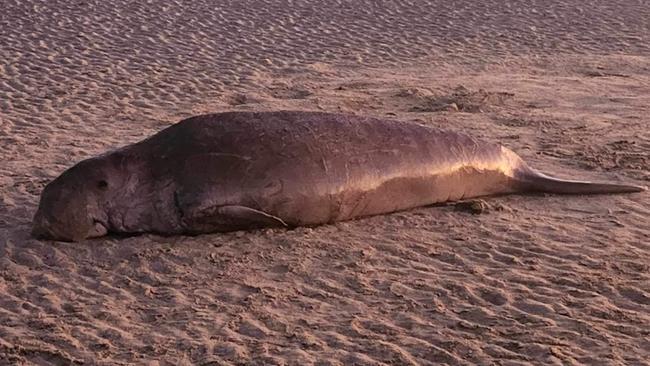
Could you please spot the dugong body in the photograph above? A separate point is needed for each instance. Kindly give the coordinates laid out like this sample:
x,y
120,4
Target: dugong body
x,y
242,170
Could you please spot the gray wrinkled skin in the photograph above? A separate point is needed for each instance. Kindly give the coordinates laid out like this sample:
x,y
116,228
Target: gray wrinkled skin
x,y
242,170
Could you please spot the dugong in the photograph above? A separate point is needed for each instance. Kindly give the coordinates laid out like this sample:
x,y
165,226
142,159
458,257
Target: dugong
x,y
243,170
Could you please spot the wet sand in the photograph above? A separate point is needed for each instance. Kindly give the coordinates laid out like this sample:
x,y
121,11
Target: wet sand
x,y
538,279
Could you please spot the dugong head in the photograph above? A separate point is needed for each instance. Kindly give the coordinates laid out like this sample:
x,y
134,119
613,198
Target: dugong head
x,y
75,205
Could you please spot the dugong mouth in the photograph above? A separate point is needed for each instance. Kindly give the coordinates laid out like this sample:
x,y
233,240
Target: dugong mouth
x,y
98,229
44,229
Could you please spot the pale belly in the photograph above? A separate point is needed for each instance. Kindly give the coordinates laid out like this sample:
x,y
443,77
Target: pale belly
x,y
310,206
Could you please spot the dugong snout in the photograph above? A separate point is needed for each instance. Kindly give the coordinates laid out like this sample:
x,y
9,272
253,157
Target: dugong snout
x,y
44,228
40,226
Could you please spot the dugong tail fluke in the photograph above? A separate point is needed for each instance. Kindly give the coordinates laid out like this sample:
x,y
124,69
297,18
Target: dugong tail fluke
x,y
535,181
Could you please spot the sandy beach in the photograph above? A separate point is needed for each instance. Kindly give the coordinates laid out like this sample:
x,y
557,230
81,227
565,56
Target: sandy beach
x,y
530,279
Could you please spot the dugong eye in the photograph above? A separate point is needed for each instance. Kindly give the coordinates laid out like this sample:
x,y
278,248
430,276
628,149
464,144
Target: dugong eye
x,y
102,184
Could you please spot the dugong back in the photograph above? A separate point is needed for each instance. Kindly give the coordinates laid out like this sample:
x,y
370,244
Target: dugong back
x,y
309,168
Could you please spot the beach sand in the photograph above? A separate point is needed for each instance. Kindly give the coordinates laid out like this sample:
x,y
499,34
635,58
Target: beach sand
x,y
537,279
